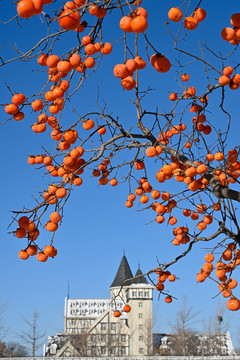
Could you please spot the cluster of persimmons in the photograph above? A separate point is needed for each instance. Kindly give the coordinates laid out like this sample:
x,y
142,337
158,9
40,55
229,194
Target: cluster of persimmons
x,y
67,167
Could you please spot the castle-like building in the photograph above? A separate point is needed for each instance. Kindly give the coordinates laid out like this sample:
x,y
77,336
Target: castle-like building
x,y
90,328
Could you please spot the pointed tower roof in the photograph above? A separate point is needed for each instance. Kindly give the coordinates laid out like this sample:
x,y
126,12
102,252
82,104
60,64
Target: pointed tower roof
x,y
140,279
124,272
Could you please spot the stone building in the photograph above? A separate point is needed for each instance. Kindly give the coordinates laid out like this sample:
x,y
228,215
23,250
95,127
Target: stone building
x,y
90,328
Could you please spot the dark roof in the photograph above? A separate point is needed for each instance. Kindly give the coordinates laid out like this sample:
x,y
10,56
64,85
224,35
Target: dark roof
x,y
124,272
140,279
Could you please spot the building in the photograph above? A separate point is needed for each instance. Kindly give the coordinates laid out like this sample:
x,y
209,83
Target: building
x,y
90,328
194,344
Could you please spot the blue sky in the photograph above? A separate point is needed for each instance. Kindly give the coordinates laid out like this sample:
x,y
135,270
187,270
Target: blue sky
x,y
97,227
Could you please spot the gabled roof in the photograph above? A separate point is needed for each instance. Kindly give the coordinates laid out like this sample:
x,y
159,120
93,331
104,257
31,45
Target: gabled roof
x,y
124,272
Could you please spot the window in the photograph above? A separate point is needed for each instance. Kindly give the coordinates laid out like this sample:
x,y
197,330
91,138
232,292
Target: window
x,y
141,351
103,350
73,322
103,326
91,321
93,350
140,304
123,350
140,327
140,338
146,294
112,350
93,337
140,293
82,322
103,338
113,326
140,316
123,337
134,293
113,337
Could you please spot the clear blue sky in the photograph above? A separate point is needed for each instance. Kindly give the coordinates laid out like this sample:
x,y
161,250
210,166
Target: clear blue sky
x,y
97,226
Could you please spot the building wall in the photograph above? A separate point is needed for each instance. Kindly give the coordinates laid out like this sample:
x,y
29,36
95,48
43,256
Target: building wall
x,y
139,319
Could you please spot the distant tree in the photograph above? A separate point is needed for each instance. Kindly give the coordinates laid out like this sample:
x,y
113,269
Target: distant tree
x,y
3,329
182,341
33,338
14,349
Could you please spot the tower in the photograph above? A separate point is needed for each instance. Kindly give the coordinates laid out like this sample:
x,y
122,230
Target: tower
x,y
137,293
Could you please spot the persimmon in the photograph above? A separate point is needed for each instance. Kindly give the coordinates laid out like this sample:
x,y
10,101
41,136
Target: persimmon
x,y
168,299
42,59
233,304
227,33
173,96
190,23
37,105
232,284
185,77
125,24
11,109
61,193
175,14
19,116
25,8
171,277
151,151
160,63
88,124
187,212
32,250
172,220
113,182
69,19
23,255
42,257
23,222
139,165
210,157
20,233
139,24
227,255
94,9
120,71
117,313
75,61
137,2
103,180
200,14
50,251
160,287
127,308
51,226
89,62
141,64
18,99
129,203
201,277
106,48
128,83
